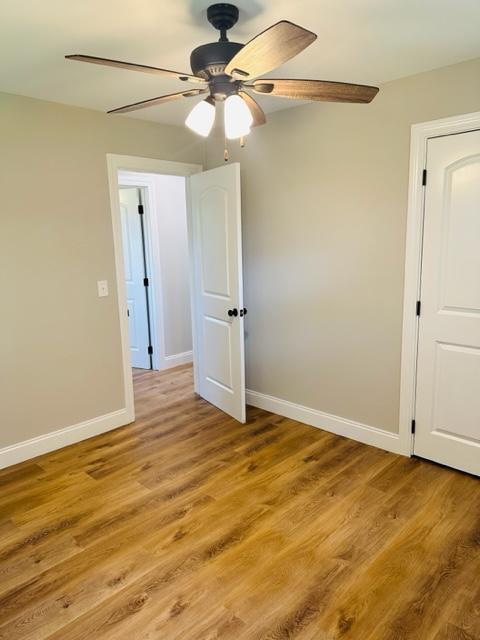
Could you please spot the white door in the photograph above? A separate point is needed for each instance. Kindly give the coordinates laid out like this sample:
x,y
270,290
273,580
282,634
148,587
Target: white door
x,y
134,261
448,375
218,314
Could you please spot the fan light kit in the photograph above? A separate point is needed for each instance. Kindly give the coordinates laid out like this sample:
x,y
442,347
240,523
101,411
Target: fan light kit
x,y
228,71
201,117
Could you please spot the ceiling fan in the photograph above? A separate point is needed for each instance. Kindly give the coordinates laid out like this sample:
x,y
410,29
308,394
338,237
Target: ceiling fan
x,y
227,71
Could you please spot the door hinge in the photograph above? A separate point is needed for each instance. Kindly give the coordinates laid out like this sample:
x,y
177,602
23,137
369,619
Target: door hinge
x,y
150,350
140,209
413,426
145,282
418,307
424,177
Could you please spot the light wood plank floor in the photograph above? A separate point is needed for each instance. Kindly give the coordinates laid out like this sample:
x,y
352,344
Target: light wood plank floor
x,y
189,526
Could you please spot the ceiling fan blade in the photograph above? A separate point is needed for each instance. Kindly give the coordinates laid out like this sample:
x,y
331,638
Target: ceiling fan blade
x,y
255,109
160,100
135,67
321,90
269,50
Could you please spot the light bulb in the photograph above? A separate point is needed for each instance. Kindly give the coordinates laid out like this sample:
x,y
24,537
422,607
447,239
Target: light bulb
x,y
238,118
201,117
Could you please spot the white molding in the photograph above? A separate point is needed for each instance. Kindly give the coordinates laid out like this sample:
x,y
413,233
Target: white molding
x,y
420,134
152,165
328,422
47,442
116,163
178,359
191,282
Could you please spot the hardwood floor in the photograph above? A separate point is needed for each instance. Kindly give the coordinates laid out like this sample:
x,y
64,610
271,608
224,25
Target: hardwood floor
x,y
189,526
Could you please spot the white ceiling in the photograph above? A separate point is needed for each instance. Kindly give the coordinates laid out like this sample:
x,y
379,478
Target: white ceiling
x,y
364,41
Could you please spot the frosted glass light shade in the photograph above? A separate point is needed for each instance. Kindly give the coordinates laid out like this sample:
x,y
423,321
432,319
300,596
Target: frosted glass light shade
x,y
201,118
238,118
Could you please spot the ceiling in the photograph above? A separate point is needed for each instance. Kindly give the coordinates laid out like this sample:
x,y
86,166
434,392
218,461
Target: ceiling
x,y
363,41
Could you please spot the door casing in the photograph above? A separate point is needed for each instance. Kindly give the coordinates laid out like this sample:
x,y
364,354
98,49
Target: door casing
x,y
420,134
116,163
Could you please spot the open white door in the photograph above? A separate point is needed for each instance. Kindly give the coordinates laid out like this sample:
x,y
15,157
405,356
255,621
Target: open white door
x,y
218,313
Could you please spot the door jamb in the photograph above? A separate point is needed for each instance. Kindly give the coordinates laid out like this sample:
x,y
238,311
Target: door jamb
x,y
116,163
420,134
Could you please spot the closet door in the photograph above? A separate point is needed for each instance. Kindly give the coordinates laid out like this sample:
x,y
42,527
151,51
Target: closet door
x,y
448,375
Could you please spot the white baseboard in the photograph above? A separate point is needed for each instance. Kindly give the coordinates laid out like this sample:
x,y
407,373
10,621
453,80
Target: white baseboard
x,y
34,447
62,437
178,359
341,426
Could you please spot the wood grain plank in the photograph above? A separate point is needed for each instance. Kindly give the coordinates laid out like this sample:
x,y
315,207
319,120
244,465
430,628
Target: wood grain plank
x,y
188,525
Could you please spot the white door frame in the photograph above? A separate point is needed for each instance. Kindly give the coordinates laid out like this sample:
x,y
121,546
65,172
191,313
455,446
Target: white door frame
x,y
116,163
413,258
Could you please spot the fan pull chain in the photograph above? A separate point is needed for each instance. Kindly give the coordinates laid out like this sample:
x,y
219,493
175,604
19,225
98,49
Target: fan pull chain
x,y
242,142
225,150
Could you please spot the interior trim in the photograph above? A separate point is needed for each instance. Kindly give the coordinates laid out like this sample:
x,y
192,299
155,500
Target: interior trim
x,y
115,164
328,422
177,359
60,438
420,135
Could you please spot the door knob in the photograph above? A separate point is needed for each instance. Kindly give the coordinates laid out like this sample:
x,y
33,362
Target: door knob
x,y
243,312
233,312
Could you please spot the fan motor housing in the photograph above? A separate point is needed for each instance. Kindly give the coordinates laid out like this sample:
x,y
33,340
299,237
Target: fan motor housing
x,y
210,60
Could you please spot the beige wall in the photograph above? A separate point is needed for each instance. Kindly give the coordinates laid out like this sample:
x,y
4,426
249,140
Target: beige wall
x,y
60,355
324,217
173,243
324,195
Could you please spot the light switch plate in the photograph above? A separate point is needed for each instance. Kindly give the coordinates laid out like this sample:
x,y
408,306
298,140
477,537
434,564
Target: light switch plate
x,y
102,287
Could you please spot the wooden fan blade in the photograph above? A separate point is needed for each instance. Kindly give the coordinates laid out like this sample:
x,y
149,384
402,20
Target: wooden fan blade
x,y
321,90
160,100
269,50
135,67
255,109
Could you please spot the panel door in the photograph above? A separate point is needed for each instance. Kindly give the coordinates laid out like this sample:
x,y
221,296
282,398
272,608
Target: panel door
x,y
448,374
215,227
134,275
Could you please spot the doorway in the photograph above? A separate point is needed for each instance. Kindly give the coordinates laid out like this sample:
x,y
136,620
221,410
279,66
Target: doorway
x,y
446,345
156,265
213,219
